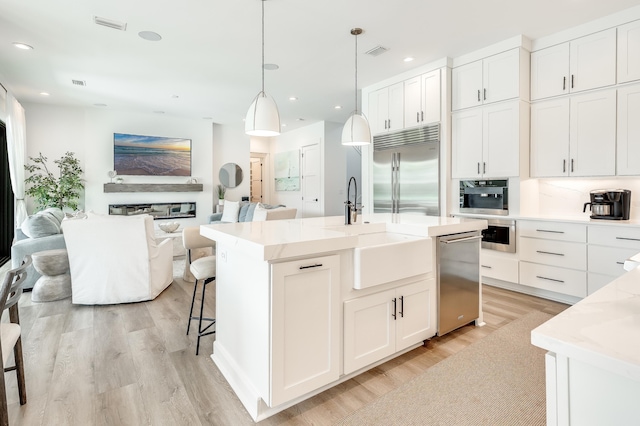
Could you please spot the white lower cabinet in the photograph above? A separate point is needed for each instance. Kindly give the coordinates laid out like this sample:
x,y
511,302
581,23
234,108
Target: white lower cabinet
x,y
499,266
380,324
609,246
305,326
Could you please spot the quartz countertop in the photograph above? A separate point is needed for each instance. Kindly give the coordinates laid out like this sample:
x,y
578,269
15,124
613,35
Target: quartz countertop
x,y
602,330
280,239
581,219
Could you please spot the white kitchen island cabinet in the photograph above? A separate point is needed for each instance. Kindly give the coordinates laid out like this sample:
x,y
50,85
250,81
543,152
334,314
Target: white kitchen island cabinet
x,y
283,294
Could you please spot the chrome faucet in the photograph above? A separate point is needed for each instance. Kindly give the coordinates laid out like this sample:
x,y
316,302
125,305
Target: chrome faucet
x,y
351,210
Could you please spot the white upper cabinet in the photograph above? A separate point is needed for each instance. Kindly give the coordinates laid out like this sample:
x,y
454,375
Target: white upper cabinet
x,y
495,78
628,148
629,52
486,141
574,136
386,109
422,100
582,64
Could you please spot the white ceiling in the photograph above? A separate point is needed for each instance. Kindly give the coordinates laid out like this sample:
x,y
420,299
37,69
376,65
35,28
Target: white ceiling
x,y
209,55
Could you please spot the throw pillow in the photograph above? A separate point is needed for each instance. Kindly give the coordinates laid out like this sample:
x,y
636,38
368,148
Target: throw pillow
x,y
260,213
55,212
230,212
40,225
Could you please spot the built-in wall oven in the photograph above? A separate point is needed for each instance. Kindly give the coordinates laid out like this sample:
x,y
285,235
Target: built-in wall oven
x,y
484,197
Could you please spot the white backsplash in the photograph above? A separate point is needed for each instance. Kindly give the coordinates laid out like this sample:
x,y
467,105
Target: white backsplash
x,y
565,197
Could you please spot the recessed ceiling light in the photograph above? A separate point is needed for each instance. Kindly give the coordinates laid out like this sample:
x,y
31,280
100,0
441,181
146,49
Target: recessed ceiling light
x,y
338,107
100,105
283,124
408,59
293,98
150,35
270,67
22,46
44,94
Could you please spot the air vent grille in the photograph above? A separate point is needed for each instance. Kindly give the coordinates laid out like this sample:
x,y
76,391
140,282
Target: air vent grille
x,y
378,50
122,26
407,137
79,82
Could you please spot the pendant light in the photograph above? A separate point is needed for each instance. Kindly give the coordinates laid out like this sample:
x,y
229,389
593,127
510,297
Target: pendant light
x,y
356,130
263,118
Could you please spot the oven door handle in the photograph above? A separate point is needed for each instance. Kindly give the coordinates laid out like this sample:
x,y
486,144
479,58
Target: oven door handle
x,y
460,240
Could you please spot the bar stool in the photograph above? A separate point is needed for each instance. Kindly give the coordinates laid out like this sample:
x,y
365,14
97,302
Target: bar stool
x,y
204,271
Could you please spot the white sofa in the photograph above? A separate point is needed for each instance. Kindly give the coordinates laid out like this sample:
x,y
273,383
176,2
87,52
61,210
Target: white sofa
x,y
115,259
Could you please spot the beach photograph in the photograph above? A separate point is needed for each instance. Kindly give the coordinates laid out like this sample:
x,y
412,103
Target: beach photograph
x,y
151,155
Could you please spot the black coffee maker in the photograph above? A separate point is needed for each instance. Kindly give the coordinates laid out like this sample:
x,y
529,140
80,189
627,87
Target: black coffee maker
x,y
613,204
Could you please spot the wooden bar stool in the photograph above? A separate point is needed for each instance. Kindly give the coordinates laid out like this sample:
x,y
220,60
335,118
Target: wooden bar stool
x,y
204,271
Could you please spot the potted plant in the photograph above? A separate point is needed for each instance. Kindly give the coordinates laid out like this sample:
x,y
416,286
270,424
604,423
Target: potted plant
x,y
49,191
221,190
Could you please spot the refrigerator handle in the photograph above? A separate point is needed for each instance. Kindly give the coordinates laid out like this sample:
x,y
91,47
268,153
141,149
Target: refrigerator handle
x,y
393,182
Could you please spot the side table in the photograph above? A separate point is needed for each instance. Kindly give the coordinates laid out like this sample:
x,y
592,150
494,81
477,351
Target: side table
x,y
55,282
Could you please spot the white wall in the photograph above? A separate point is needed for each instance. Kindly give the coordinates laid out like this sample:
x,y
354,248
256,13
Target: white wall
x,y
231,145
88,132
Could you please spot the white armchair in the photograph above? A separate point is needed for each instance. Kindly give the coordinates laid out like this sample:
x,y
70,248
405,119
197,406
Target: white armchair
x,y
116,260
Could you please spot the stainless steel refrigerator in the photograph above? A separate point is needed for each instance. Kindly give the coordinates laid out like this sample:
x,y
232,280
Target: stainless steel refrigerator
x,y
406,170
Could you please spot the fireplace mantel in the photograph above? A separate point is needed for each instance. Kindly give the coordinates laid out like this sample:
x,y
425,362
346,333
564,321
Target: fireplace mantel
x,y
153,187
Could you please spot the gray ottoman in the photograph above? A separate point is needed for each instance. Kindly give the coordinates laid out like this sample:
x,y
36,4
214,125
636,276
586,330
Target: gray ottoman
x,y
55,282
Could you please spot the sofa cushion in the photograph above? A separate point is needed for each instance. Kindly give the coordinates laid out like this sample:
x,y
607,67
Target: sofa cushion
x,y
40,225
260,213
230,213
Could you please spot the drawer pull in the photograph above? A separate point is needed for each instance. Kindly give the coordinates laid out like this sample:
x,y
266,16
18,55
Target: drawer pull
x,y
548,252
627,238
317,265
485,266
620,263
549,279
550,231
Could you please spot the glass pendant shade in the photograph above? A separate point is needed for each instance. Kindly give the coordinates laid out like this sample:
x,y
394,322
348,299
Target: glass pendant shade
x,y
356,130
263,118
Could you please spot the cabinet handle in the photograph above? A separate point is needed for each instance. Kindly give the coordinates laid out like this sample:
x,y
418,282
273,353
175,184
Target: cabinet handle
x,y
484,168
421,115
549,279
564,166
394,308
478,168
417,117
564,83
548,230
385,124
549,252
485,94
389,123
627,238
401,306
317,265
485,266
572,81
572,165
620,263
478,95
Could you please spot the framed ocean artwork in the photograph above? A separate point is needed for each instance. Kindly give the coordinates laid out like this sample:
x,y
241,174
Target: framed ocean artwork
x,y
138,155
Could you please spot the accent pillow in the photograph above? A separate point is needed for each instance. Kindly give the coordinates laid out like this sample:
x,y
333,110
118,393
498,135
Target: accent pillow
x,y
55,212
260,213
230,211
40,225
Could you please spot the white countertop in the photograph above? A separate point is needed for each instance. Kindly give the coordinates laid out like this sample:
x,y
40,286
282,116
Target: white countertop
x,y
583,219
280,239
603,329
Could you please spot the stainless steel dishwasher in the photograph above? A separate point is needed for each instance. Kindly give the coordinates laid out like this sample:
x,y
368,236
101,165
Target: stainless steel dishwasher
x,y
458,280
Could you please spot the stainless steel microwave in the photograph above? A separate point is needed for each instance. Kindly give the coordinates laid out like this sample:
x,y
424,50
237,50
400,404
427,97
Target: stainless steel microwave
x,y
484,197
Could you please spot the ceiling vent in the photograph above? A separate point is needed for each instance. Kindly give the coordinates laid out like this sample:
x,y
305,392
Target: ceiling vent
x,y
378,50
122,26
79,82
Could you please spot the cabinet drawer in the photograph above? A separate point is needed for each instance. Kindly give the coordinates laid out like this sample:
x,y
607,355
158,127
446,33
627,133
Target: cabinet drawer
x,y
555,253
608,260
498,267
615,236
596,281
560,280
558,231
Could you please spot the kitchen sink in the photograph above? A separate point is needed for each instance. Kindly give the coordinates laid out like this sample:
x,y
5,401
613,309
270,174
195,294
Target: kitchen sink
x,y
384,257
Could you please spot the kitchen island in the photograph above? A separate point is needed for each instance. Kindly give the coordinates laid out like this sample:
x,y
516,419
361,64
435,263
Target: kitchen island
x,y
303,305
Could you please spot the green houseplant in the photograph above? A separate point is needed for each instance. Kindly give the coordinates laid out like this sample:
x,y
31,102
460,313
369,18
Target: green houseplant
x,y
50,191
221,190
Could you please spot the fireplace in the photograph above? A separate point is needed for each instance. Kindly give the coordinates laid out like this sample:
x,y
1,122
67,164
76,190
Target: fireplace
x,y
157,210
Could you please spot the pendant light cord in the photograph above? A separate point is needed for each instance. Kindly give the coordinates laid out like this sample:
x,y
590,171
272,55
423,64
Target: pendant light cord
x,y
263,46
356,91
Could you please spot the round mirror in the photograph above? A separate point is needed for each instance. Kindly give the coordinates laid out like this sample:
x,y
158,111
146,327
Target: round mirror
x,y
230,175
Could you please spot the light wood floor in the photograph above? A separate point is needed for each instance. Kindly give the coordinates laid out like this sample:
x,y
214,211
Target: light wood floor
x,y
133,364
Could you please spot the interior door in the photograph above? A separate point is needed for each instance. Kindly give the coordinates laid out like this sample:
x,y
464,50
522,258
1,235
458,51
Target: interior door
x,y
311,191
256,180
